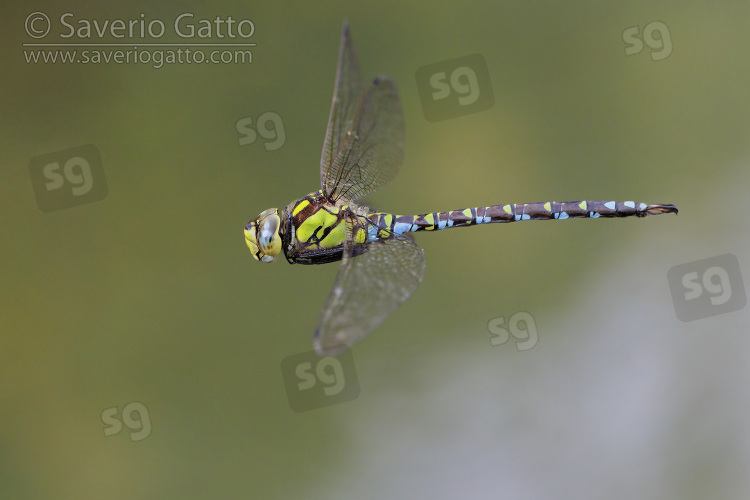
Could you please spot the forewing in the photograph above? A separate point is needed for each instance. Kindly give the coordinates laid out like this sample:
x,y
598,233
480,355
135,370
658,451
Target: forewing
x,y
368,289
347,92
372,150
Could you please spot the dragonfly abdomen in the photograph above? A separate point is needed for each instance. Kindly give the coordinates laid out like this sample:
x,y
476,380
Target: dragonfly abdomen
x,y
515,212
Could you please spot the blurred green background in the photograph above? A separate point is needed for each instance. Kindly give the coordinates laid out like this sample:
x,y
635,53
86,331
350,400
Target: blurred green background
x,y
150,295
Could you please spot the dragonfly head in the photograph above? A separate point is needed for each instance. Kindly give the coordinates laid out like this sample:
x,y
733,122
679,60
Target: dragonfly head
x,y
262,235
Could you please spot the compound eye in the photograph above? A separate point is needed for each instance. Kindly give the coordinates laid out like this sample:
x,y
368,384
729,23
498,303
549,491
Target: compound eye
x,y
269,241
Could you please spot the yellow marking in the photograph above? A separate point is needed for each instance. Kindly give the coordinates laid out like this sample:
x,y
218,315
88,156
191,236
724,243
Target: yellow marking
x,y
388,220
507,209
467,213
335,237
320,219
361,236
582,205
430,218
548,207
300,207
250,242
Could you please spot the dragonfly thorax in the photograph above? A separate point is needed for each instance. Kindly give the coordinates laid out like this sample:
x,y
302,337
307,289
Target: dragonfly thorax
x,y
262,235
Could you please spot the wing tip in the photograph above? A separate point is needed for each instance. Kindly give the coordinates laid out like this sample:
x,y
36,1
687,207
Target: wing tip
x,y
326,350
330,350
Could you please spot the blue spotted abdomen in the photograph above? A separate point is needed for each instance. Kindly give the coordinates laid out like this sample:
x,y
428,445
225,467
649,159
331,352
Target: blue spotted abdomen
x,y
514,212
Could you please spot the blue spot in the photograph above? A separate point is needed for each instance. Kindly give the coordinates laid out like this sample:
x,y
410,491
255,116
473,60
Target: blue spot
x,y
401,227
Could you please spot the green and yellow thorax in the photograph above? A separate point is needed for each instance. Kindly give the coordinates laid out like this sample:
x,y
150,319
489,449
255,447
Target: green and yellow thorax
x,y
310,230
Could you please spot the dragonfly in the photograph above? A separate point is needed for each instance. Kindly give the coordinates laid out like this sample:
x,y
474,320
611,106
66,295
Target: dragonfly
x,y
380,264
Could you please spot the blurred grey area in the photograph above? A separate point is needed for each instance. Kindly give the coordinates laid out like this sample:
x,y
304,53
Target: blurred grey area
x,y
141,346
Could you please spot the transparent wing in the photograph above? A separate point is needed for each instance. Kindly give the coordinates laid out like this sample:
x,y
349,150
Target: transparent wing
x,y
347,92
369,287
372,150
364,145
